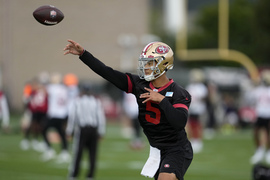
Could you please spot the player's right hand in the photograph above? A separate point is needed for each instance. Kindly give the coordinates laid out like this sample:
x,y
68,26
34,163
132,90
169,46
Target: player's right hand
x,y
73,48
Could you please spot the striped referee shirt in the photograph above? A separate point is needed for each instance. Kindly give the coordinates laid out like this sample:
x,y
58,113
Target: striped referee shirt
x,y
86,111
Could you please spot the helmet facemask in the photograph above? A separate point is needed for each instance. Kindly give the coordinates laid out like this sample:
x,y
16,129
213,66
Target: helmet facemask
x,y
145,66
154,61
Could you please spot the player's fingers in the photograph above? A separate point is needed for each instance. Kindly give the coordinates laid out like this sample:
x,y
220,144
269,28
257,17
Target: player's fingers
x,y
145,95
71,41
67,52
66,48
146,100
148,89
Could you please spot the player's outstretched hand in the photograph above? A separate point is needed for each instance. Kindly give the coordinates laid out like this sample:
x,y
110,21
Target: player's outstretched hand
x,y
73,48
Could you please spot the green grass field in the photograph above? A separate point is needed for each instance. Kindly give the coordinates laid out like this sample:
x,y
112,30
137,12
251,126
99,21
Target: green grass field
x,y
224,157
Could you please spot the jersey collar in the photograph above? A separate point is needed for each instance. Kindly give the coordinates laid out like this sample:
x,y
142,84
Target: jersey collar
x,y
161,88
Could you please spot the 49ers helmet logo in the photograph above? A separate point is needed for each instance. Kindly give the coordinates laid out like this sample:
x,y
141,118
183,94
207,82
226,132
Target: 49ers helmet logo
x,y
162,49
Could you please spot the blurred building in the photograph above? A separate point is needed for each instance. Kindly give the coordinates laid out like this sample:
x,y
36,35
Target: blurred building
x,y
114,31
28,48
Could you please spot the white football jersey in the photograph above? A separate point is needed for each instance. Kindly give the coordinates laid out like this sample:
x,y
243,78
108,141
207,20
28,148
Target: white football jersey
x,y
261,96
198,92
58,101
130,105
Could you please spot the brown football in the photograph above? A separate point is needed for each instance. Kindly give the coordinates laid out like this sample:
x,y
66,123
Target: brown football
x,y
48,15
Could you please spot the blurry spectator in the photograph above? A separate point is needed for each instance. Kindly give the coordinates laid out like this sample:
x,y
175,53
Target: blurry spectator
x,y
261,96
198,92
247,113
4,111
131,110
87,120
57,115
230,119
43,79
26,117
111,107
71,81
37,103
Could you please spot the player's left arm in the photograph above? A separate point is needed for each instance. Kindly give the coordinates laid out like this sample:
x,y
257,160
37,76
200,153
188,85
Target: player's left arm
x,y
176,114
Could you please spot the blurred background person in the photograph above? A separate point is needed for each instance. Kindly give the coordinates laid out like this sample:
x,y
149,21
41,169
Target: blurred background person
x,y
87,121
212,103
57,115
4,111
198,92
261,97
37,104
131,111
43,79
231,113
26,116
71,81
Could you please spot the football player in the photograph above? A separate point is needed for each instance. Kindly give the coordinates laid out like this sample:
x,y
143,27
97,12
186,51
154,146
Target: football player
x,y
4,111
163,107
57,114
199,92
131,111
261,95
37,103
